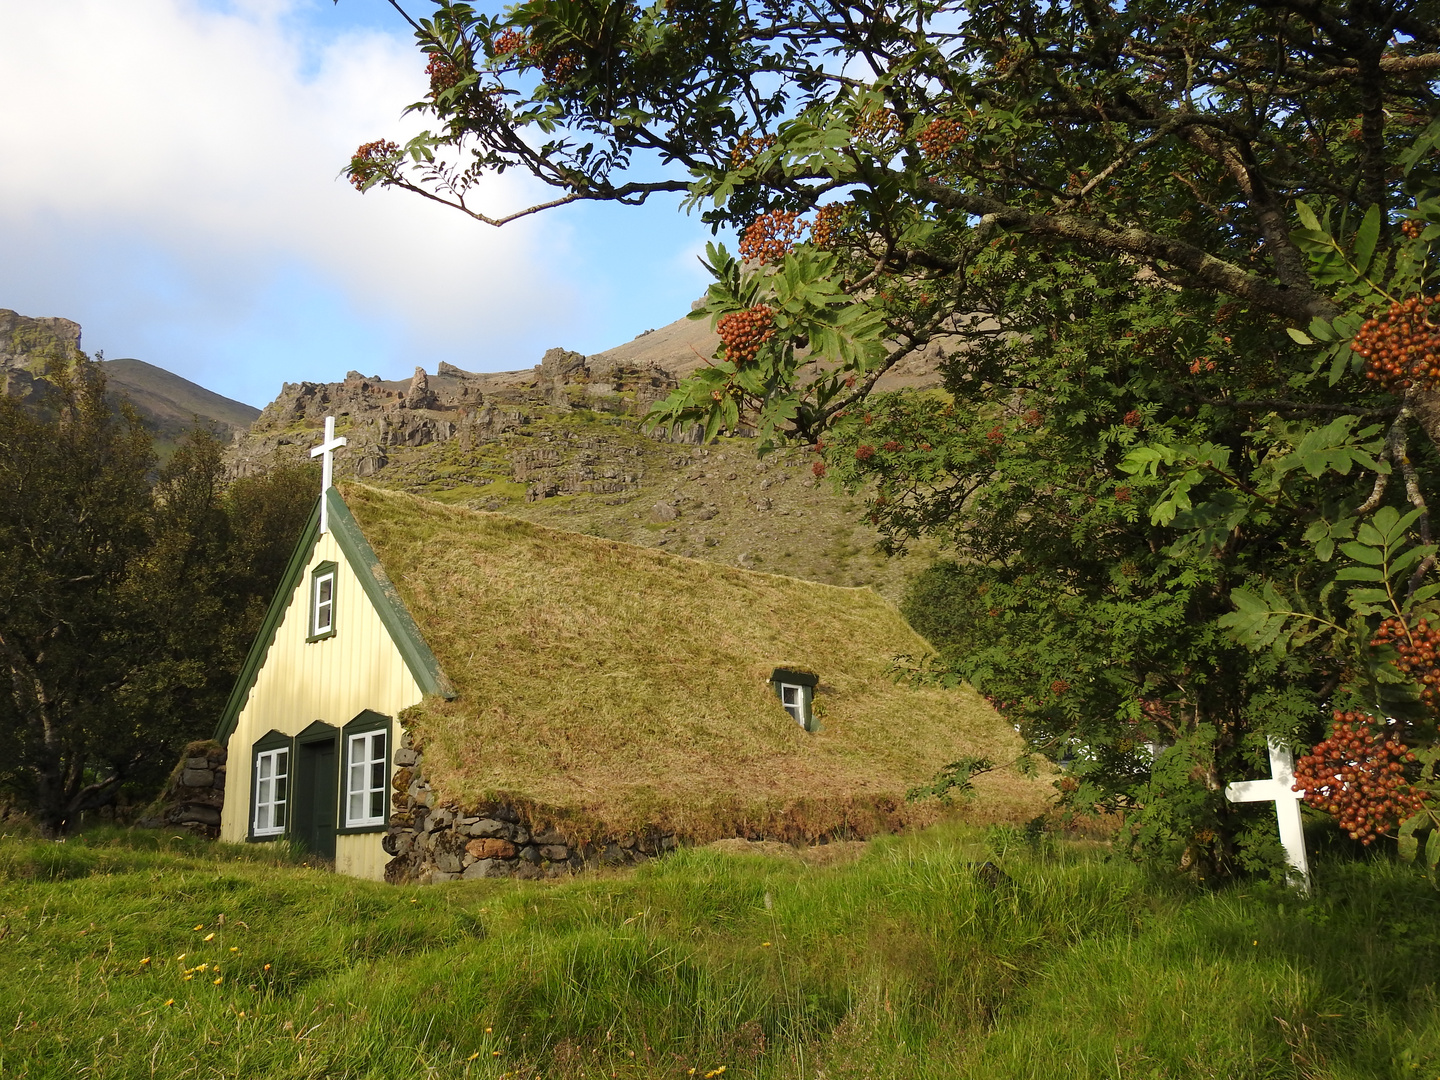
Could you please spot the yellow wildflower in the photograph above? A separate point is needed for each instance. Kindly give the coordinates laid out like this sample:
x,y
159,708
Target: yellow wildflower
x,y
476,1054
200,927
218,981
144,961
168,1003
210,936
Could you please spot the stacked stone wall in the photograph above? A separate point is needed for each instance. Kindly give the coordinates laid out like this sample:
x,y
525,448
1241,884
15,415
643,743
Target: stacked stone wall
x,y
433,843
195,793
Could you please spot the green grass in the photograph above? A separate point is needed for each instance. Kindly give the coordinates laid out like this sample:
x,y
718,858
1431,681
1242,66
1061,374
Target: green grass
x,y
901,964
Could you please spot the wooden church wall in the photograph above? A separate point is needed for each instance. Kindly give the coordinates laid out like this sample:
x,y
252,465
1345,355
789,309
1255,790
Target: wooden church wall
x,y
332,680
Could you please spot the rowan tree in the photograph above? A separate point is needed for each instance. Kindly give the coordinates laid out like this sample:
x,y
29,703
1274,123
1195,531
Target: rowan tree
x,y
1178,257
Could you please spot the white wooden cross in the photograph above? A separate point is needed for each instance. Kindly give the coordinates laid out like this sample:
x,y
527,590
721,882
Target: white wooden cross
x,y
328,448
1287,807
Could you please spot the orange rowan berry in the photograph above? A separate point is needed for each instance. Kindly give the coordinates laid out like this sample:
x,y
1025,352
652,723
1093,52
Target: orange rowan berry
x,y
1402,348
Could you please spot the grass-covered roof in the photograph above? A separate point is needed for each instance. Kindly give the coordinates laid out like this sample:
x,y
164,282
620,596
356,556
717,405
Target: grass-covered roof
x,y
616,687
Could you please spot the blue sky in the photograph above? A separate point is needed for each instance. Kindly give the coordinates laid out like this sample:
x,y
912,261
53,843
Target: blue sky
x,y
169,178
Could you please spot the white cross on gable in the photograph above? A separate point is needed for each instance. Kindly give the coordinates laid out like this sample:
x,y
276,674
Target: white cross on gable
x,y
1287,806
328,448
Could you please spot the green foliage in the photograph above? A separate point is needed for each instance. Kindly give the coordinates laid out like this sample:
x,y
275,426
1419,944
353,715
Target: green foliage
x,y
74,506
128,598
914,960
1145,237
955,780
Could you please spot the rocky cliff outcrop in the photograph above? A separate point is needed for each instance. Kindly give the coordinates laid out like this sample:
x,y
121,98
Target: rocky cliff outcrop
x,y
465,408
27,344
562,443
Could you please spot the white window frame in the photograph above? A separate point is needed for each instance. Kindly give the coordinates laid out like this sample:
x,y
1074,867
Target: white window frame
x,y
367,777
795,708
316,630
266,786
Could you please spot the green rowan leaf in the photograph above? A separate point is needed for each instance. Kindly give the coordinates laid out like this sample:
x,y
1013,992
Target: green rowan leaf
x,y
1409,846
1360,573
1339,363
1364,553
1307,216
1365,239
1425,592
1299,336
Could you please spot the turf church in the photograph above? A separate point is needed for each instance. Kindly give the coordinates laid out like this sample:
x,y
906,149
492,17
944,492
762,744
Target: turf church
x,y
593,682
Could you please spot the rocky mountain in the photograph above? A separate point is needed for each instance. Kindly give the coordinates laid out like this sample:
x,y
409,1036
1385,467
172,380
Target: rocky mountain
x,y
167,403
561,443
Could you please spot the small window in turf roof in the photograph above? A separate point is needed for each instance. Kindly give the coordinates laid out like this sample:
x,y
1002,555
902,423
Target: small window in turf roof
x,y
796,691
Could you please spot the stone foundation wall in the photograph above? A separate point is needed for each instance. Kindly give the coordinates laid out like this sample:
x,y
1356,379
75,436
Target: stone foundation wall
x,y
196,792
431,843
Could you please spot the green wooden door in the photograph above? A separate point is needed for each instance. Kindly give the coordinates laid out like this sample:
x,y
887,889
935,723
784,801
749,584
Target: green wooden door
x,y
316,788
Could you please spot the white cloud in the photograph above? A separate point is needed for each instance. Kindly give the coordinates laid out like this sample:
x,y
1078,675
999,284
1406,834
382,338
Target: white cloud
x,y
197,153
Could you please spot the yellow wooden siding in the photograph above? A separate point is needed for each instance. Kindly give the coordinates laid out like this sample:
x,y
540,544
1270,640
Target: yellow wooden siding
x,y
332,680
360,855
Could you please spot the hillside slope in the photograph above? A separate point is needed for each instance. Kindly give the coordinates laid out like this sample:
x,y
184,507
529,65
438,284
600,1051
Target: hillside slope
x,y
561,444
167,403
170,404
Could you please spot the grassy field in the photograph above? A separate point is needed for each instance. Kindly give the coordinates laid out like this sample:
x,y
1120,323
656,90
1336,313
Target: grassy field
x,y
145,956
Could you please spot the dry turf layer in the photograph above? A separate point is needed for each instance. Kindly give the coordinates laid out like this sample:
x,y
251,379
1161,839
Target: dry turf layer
x,y
620,686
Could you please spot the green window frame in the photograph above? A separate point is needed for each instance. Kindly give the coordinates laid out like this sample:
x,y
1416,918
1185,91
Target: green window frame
x,y
323,581
365,773
796,691
272,761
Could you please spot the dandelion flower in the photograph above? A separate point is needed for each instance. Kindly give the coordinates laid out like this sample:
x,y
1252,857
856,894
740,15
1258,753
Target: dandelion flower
x,y
234,948
144,961
494,1053
210,936
218,981
168,1003
200,927
488,1030
476,1054
180,957
764,944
